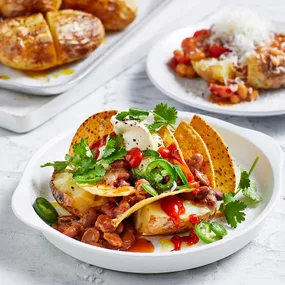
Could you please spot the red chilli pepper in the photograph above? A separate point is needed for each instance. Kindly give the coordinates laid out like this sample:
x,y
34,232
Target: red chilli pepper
x,y
194,219
200,33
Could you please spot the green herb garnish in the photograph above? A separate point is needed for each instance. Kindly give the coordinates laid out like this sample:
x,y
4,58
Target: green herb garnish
x,y
234,209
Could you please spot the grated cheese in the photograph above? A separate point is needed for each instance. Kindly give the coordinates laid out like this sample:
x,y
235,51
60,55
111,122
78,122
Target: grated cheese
x,y
241,31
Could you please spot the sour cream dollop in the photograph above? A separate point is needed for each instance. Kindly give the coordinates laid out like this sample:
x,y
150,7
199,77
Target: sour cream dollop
x,y
136,134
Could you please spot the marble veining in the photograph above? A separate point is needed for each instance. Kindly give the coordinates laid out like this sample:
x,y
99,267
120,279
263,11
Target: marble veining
x,y
27,258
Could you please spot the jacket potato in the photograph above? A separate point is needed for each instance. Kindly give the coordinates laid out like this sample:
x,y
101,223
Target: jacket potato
x,y
15,8
115,14
32,43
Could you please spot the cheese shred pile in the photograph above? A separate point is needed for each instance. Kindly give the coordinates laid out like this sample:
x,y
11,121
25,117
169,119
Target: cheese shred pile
x,y
241,31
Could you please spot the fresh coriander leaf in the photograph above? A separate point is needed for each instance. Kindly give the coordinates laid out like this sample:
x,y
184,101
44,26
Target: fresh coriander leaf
x,y
251,193
244,180
122,116
137,114
94,175
234,212
163,112
155,126
227,198
117,155
119,141
109,147
57,165
82,149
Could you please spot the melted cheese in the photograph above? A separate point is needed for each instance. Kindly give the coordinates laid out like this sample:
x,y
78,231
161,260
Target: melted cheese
x,y
241,31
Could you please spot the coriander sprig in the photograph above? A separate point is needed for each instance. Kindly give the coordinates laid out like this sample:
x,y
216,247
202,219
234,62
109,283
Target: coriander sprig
x,y
163,115
234,209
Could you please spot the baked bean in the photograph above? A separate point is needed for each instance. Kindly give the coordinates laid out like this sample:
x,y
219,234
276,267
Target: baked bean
x,y
67,219
218,194
61,227
113,239
128,239
235,99
202,193
73,230
108,209
128,226
89,219
97,244
121,208
130,199
185,70
91,236
141,194
105,224
196,161
203,179
120,228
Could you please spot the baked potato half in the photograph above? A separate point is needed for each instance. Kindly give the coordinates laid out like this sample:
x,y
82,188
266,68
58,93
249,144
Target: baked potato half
x,y
262,74
15,8
70,196
76,34
213,70
152,220
115,14
26,43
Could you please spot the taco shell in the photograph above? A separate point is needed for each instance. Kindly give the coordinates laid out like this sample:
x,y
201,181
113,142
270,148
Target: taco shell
x,y
220,155
147,201
152,220
94,128
191,143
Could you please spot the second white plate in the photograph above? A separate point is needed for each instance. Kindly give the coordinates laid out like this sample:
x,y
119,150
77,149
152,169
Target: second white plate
x,y
194,92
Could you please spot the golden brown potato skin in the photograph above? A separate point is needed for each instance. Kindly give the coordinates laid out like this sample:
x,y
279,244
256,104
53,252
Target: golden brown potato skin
x,y
75,33
115,14
26,43
262,76
15,8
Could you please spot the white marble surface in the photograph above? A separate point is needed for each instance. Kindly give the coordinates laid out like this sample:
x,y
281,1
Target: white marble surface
x,y
26,258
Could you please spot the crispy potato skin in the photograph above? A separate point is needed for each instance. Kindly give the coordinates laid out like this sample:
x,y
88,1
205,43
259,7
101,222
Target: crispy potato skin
x,y
76,34
115,14
70,196
32,43
15,8
261,76
26,43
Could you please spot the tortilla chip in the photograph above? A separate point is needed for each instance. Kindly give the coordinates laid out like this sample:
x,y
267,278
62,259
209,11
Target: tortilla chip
x,y
147,201
220,155
191,143
168,139
108,191
94,128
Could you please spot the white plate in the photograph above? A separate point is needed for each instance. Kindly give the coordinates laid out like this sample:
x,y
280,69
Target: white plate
x,y
54,82
194,92
244,145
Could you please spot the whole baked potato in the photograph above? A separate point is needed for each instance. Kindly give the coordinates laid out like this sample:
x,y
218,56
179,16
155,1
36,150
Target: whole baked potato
x,y
114,14
15,8
33,43
262,74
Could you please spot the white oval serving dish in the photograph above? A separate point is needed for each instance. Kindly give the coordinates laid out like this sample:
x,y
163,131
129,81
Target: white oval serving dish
x,y
244,145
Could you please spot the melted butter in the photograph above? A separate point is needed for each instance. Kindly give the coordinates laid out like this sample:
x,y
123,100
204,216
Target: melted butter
x,y
55,75
67,71
38,75
166,245
4,77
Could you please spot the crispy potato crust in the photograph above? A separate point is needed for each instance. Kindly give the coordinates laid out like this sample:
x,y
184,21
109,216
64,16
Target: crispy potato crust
x,y
76,34
115,14
26,43
15,8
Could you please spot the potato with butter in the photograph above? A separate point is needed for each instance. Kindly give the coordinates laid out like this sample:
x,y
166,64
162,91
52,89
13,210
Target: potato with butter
x,y
33,43
15,8
115,14
26,43
70,196
213,70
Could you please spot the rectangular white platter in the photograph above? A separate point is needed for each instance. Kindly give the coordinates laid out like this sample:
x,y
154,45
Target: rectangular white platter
x,y
62,78
24,112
